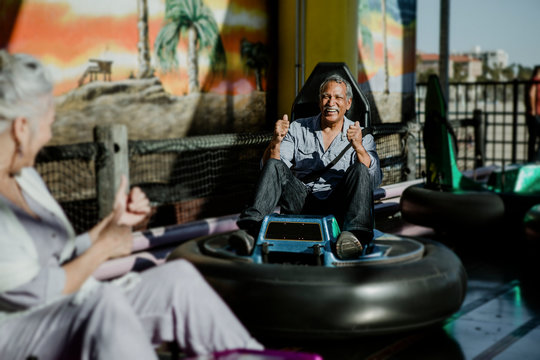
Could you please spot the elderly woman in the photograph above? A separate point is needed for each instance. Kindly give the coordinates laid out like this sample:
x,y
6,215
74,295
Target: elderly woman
x,y
50,306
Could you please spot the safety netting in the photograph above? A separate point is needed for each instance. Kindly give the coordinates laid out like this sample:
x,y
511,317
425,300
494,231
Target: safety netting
x,y
69,172
185,179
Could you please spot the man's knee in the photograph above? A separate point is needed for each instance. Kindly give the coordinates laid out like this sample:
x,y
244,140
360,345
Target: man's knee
x,y
275,164
358,169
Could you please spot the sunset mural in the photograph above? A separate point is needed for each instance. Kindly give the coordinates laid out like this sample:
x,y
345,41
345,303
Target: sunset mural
x,y
66,34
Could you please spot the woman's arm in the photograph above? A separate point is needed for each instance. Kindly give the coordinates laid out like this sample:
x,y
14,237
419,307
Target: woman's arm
x,y
110,238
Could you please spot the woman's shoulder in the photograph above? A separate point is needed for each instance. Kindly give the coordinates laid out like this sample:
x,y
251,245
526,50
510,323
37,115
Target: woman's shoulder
x,y
29,175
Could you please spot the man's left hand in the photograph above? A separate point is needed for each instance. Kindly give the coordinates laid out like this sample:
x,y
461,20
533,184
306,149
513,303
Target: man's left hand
x,y
354,135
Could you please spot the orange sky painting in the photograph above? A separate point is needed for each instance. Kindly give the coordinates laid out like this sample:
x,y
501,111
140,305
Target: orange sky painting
x,y
65,34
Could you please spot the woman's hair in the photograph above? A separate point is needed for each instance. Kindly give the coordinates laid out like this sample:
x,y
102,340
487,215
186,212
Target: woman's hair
x,y
338,79
25,89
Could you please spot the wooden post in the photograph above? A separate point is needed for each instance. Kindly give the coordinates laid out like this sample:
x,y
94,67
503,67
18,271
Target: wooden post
x,y
412,150
115,164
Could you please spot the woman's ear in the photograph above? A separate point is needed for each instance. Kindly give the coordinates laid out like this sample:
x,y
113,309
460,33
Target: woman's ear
x,y
21,129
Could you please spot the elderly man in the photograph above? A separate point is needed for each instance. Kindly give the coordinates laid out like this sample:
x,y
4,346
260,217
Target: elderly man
x,y
300,173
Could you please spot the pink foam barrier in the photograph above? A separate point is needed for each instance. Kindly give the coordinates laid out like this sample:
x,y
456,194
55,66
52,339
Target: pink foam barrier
x,y
151,247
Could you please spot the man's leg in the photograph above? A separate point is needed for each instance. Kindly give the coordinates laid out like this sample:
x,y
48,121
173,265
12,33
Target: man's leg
x,y
277,185
352,203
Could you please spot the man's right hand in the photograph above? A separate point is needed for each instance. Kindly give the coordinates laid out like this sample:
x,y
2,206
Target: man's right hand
x,y
280,129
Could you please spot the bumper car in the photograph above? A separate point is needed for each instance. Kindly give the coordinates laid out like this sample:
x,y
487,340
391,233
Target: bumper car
x,y
293,285
451,202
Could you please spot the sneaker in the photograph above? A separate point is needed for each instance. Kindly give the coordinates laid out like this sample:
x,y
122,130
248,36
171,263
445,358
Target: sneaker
x,y
242,242
348,246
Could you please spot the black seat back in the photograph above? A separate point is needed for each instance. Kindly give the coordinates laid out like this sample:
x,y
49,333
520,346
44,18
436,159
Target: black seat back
x,y
306,103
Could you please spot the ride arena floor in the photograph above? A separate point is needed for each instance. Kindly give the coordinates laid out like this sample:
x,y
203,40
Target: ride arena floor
x,y
499,319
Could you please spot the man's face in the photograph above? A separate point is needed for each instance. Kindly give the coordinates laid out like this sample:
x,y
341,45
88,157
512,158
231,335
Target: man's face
x,y
334,102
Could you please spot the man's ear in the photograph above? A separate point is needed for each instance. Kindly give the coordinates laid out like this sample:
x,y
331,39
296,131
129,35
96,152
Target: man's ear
x,y
349,104
20,129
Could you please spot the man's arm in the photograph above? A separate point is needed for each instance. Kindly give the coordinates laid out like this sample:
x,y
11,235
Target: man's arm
x,y
366,153
280,130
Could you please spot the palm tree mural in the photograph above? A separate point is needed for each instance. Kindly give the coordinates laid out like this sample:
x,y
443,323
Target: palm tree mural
x,y
196,19
255,57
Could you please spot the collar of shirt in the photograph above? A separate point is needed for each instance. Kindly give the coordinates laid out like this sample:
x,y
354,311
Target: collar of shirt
x,y
318,131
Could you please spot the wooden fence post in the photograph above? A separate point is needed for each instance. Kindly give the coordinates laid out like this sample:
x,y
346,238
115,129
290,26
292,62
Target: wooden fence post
x,y
115,164
412,150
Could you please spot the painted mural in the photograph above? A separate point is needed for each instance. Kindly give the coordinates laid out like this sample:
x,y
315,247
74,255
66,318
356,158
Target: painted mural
x,y
386,48
165,68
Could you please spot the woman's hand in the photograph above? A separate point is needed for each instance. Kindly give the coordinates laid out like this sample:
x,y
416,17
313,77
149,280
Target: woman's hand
x,y
114,239
130,209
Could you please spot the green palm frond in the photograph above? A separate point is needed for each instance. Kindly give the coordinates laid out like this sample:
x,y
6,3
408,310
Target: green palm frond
x,y
181,15
166,44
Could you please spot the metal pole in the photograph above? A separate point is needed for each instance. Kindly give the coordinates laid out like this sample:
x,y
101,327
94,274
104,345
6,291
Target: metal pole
x,y
296,56
300,45
479,140
303,43
514,120
444,44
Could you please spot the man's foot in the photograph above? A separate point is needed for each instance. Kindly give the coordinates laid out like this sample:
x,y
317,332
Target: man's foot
x,y
348,246
242,242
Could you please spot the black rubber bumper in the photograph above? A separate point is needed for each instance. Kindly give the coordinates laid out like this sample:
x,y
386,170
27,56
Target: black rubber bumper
x,y
326,302
450,210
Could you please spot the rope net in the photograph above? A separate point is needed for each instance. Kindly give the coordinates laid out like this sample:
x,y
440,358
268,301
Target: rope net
x,y
185,179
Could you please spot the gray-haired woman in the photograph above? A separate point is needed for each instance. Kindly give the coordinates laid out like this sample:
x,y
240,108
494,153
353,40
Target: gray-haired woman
x,y
50,306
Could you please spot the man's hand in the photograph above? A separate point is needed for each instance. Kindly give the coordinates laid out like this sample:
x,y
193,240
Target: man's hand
x,y
280,129
354,135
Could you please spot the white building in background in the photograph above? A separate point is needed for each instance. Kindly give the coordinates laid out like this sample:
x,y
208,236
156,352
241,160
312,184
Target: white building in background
x,y
470,67
494,59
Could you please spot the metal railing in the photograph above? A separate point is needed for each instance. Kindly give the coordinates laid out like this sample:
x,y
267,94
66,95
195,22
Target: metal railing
x,y
501,106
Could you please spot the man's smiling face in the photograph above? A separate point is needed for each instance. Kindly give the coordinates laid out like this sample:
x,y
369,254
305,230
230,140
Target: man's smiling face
x,y
334,103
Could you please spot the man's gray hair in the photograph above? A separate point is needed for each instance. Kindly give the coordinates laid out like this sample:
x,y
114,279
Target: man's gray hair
x,y
338,79
25,89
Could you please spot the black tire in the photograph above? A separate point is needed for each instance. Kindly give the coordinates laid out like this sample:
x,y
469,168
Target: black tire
x,y
327,302
448,211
